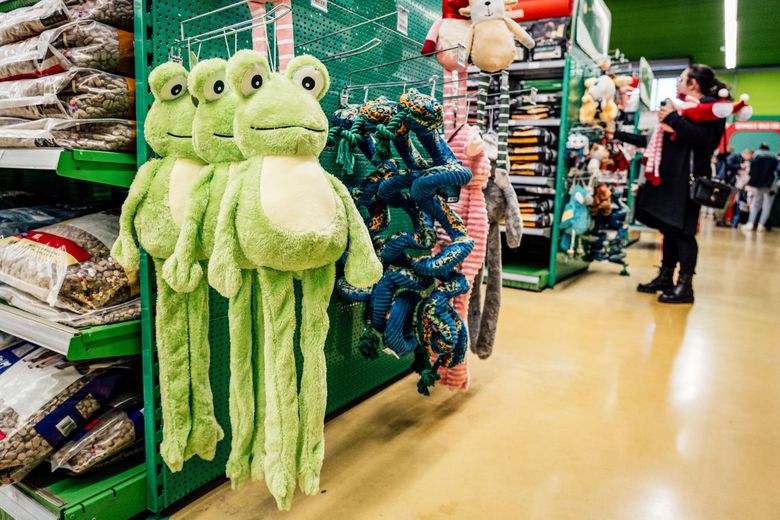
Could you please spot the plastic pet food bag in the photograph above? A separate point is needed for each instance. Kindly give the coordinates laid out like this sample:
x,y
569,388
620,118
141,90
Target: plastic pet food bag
x,y
18,220
27,22
108,135
74,94
69,265
130,310
86,44
15,198
103,439
44,400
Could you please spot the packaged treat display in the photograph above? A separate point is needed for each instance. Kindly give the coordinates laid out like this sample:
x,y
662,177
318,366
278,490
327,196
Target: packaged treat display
x,y
26,22
74,94
69,265
129,310
85,43
109,135
113,432
44,400
19,220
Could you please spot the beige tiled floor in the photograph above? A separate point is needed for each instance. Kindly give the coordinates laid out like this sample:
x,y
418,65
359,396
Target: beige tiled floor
x,y
598,403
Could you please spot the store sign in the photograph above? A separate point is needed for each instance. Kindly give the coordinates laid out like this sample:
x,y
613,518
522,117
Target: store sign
x,y
594,25
646,77
757,126
403,20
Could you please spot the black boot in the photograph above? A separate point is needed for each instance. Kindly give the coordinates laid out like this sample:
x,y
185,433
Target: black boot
x,y
663,282
681,293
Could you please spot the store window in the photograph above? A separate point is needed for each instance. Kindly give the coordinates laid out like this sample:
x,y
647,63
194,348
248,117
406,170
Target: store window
x,y
663,88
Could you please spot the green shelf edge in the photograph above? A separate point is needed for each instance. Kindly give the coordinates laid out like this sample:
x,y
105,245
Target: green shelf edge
x,y
112,168
16,4
105,494
114,340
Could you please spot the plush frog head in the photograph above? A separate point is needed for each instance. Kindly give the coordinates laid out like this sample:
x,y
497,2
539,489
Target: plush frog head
x,y
168,125
279,114
212,129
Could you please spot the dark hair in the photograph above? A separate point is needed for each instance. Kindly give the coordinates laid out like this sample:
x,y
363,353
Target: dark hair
x,y
705,77
764,146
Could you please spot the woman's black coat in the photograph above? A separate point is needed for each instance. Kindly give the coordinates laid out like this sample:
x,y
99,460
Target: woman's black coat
x,y
669,205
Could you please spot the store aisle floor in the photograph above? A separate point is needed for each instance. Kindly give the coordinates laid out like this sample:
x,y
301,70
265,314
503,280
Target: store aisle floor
x,y
598,403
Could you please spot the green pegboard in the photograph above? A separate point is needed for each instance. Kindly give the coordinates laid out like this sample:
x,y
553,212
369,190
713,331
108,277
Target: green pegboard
x,y
350,376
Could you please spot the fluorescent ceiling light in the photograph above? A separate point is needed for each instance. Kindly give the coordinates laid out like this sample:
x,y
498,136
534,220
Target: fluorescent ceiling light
x,y
730,9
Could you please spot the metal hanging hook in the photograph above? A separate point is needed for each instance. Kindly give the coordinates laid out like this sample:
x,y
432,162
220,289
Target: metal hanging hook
x,y
366,47
341,31
268,18
397,62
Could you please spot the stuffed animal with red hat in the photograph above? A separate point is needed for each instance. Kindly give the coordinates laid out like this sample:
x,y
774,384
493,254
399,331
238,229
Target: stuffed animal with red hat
x,y
449,31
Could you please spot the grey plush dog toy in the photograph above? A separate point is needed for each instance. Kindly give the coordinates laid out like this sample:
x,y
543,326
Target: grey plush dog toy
x,y
502,203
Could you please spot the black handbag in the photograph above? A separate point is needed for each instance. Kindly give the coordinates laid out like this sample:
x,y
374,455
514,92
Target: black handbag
x,y
710,192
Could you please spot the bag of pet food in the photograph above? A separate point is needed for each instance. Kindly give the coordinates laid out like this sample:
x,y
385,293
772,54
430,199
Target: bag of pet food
x,y
16,199
129,310
69,265
85,43
73,94
19,220
108,135
103,439
45,399
26,22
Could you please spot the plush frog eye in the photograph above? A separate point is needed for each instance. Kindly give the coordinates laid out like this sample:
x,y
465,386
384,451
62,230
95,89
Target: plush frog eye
x,y
215,87
310,74
174,88
253,79
168,81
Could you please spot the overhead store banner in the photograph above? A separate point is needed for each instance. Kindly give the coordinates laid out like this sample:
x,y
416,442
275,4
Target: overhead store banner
x,y
594,25
646,77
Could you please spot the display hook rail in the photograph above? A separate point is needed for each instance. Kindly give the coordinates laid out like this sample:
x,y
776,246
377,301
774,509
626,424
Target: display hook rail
x,y
398,62
388,84
341,31
366,47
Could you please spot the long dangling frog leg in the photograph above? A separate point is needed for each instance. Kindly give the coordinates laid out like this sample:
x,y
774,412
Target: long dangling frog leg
x,y
174,361
241,316
317,285
224,271
206,431
363,269
257,359
125,250
281,422
182,270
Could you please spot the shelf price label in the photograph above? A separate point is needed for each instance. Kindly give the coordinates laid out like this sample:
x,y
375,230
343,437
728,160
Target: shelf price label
x,y
403,20
322,5
462,55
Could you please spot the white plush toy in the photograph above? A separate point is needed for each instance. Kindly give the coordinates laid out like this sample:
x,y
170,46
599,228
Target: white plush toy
x,y
491,40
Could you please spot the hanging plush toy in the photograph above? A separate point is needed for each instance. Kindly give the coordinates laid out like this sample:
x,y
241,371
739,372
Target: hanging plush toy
x,y
598,103
469,148
575,219
285,217
602,201
154,211
502,207
598,158
449,32
213,141
491,40
577,147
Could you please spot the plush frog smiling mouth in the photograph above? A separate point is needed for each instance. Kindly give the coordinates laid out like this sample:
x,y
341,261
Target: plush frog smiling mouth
x,y
284,217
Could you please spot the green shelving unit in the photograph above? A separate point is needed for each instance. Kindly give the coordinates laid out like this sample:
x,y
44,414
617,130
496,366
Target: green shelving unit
x,y
111,168
117,492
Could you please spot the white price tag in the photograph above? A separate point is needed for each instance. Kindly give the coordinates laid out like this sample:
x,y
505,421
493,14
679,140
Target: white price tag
x,y
403,20
322,5
462,55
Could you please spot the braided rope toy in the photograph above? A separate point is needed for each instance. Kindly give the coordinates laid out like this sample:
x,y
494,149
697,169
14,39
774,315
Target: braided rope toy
x,y
409,310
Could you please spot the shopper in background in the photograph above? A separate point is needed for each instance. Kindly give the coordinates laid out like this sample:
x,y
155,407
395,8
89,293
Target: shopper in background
x,y
668,206
728,172
763,184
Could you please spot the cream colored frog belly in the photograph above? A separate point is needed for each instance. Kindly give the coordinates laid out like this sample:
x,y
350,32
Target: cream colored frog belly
x,y
183,176
296,195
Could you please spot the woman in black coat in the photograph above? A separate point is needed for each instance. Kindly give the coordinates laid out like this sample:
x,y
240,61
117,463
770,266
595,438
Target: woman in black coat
x,y
687,148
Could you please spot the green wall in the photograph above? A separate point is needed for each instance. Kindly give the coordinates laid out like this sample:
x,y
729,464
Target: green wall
x,y
762,85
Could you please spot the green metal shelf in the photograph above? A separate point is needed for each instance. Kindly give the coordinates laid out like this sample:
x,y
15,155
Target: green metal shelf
x,y
535,277
115,492
112,168
115,340
16,4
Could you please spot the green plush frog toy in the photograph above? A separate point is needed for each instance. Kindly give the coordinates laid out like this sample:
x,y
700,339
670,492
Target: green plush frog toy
x,y
212,136
286,218
153,213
